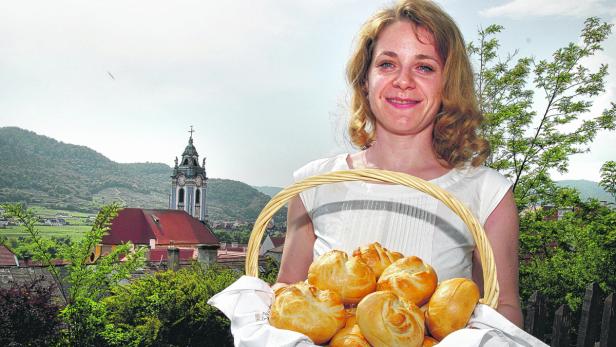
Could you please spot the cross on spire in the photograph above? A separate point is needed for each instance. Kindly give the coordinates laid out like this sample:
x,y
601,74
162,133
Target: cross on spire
x,y
191,131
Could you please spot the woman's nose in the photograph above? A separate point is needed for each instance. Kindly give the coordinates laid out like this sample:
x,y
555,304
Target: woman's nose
x,y
404,80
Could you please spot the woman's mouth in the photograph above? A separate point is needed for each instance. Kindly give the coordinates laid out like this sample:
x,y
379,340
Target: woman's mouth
x,y
402,103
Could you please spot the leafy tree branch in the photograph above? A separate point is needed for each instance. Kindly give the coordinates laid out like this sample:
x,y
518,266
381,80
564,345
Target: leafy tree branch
x,y
528,142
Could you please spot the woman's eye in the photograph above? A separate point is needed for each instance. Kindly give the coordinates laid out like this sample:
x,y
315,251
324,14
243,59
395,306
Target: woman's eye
x,y
426,68
386,65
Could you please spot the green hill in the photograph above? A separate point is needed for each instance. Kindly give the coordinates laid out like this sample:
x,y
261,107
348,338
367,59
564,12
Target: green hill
x,y
271,191
40,170
587,189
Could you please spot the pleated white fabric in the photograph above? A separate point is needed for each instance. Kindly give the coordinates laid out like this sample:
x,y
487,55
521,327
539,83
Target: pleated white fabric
x,y
351,214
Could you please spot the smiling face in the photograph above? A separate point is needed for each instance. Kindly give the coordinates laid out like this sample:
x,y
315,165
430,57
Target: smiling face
x,y
405,80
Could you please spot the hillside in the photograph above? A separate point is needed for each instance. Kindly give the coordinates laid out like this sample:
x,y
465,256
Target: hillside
x,y
587,189
38,169
271,191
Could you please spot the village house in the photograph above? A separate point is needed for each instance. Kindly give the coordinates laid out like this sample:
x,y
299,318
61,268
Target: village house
x,y
271,242
275,253
55,221
7,258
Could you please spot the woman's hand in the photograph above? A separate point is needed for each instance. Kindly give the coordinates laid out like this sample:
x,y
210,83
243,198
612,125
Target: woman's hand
x,y
279,285
298,245
502,230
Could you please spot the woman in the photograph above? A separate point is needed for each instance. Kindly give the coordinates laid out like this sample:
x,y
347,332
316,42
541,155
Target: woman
x,y
413,111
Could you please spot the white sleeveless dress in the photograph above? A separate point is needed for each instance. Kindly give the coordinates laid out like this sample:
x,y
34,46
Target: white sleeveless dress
x,y
351,214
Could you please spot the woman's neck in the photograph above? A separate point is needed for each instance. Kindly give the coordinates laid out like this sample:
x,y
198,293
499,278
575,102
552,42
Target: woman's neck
x,y
404,155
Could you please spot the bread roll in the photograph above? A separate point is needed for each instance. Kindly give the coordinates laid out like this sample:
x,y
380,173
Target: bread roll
x,y
429,341
388,320
451,306
423,310
300,307
350,335
351,278
377,257
410,278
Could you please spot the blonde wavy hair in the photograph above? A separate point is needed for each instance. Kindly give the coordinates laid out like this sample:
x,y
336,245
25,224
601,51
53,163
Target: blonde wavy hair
x,y
455,138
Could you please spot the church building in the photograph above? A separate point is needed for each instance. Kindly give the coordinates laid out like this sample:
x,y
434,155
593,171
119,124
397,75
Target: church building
x,y
189,183
182,226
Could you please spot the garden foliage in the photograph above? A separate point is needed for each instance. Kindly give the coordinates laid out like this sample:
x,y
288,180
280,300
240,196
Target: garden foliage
x,y
82,284
170,309
561,257
28,315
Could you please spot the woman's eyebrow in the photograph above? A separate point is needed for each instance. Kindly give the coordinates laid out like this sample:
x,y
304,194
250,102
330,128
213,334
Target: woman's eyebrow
x,y
426,56
417,56
389,54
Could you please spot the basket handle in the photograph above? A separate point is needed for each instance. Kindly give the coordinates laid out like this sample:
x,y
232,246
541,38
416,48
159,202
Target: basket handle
x,y
486,256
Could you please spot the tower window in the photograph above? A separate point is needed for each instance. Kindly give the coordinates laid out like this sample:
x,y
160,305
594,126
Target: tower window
x,y
198,197
185,162
181,196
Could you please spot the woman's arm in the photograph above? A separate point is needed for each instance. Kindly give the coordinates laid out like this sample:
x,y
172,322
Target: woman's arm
x,y
502,230
298,245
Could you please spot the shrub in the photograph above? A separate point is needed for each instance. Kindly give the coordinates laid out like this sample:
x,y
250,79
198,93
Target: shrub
x,y
170,309
28,317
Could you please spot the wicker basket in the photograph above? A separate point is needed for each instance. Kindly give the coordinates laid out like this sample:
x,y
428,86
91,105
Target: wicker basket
x,y
490,291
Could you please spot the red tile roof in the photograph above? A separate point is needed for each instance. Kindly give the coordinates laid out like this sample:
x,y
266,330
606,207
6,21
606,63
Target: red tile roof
x,y
231,253
166,226
277,241
38,263
7,258
233,259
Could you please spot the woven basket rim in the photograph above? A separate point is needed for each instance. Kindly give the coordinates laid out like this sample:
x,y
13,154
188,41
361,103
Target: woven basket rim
x,y
491,289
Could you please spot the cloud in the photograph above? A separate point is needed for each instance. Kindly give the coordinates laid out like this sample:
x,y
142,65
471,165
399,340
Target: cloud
x,y
533,8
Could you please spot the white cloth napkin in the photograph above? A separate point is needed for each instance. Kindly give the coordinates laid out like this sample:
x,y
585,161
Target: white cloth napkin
x,y
246,303
488,328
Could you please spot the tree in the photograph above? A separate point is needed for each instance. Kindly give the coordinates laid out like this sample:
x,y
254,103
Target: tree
x,y
559,258
83,285
28,315
170,309
608,177
528,141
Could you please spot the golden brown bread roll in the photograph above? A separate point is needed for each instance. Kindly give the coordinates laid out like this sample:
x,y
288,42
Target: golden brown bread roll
x,y
388,320
424,309
451,306
410,278
429,341
350,335
351,278
377,257
300,307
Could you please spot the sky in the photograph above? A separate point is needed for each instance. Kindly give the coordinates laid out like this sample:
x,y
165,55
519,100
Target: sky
x,y
262,82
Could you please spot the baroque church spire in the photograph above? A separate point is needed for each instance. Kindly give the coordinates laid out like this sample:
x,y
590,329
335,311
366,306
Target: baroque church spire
x,y
189,182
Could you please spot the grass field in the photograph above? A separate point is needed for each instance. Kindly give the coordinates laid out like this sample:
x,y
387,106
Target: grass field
x,y
72,217
47,212
74,232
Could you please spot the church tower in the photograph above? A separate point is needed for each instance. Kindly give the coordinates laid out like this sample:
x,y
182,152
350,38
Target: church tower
x,y
189,183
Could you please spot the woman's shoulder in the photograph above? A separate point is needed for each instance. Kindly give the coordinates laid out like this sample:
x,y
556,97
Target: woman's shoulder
x,y
484,175
481,189
321,166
